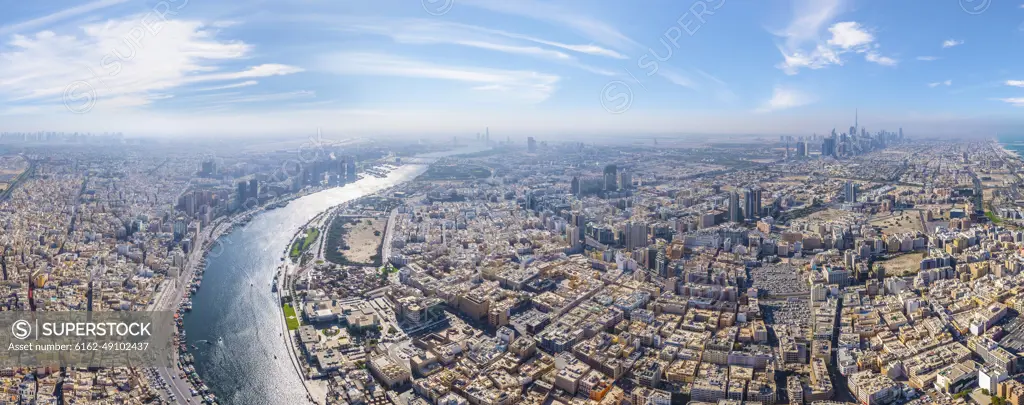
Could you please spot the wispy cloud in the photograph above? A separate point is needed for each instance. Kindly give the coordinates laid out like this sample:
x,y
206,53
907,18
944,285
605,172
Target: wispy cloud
x,y
949,43
785,98
40,67
1015,83
587,26
676,78
946,83
803,46
1016,102
874,57
418,31
527,85
809,17
701,81
225,23
24,27
231,86
719,88
235,98
927,58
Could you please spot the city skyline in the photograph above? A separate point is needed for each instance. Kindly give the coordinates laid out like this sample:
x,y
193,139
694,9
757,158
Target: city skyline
x,y
543,69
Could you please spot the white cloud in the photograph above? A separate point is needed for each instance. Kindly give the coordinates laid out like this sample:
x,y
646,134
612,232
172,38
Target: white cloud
x,y
949,43
526,85
1015,83
849,35
927,58
1016,102
818,58
99,59
873,57
785,98
809,16
804,48
946,83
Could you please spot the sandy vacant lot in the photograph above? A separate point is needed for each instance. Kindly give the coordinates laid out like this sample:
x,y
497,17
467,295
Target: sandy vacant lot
x,y
361,240
903,265
910,221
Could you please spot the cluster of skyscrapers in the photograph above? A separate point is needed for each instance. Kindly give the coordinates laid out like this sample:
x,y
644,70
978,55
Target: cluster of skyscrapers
x,y
751,208
612,180
855,142
329,171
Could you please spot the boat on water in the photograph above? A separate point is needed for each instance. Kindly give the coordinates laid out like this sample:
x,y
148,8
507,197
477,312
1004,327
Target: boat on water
x,y
277,205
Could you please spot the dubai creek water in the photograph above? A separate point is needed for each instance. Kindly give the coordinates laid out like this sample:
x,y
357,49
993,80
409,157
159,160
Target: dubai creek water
x,y
236,311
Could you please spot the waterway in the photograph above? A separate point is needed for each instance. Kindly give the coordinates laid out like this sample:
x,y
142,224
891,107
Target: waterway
x,y
1013,143
236,311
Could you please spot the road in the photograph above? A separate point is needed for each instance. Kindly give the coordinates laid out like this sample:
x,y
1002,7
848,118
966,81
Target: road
x,y
385,251
168,300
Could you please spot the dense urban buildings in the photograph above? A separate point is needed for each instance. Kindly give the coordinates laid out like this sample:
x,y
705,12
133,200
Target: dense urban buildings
x,y
873,270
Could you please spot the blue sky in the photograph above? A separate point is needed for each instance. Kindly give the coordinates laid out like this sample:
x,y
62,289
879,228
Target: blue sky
x,y
553,68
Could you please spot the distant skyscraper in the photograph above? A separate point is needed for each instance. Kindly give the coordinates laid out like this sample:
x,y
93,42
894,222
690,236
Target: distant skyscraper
x,y
531,145
254,189
350,170
828,146
735,211
242,193
625,179
209,168
610,179
636,235
190,203
574,186
574,234
851,191
752,203
801,149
